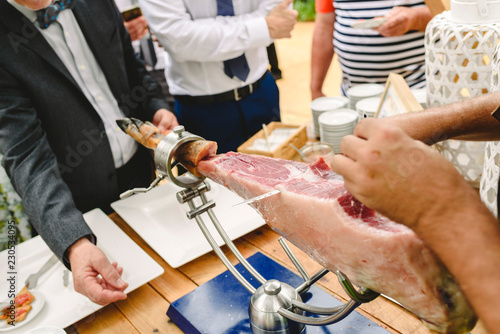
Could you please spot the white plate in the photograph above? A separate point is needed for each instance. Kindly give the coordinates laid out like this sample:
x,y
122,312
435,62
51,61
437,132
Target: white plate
x,y
340,119
37,305
46,330
368,105
161,221
360,91
64,306
369,24
324,103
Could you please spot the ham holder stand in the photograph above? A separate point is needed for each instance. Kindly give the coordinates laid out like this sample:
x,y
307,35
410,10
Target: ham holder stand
x,y
268,306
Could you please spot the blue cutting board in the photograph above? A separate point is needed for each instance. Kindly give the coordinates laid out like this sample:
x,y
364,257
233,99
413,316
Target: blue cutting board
x,y
220,306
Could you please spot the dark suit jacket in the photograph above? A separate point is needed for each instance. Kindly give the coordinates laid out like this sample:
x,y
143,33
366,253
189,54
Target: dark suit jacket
x,y
55,149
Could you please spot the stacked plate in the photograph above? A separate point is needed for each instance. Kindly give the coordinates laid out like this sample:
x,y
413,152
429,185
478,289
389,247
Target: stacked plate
x,y
336,124
324,104
421,96
368,107
358,92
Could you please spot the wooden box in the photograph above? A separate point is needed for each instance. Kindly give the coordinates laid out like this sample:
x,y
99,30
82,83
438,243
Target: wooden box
x,y
284,150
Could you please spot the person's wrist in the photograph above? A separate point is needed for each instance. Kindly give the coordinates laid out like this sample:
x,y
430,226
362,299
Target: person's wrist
x,y
316,93
448,212
269,22
413,14
80,243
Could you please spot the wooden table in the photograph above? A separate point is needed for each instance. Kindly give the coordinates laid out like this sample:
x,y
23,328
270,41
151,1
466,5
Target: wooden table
x,y
144,309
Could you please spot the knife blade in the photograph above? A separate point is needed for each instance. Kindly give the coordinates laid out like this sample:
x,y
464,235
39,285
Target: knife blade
x,y
32,280
258,198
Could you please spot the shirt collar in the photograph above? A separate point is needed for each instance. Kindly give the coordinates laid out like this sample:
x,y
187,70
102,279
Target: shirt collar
x,y
29,13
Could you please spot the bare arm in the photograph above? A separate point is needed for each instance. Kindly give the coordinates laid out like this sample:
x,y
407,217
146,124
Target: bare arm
x,y
466,120
414,185
321,51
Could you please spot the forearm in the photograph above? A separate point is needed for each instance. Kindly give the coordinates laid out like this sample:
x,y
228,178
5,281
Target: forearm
x,y
468,243
421,17
321,52
46,198
468,119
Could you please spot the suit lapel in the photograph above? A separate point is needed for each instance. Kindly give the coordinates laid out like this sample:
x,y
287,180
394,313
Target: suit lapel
x,y
24,34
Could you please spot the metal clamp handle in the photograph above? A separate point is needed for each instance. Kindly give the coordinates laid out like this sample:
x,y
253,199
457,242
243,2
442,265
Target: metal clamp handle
x,y
133,191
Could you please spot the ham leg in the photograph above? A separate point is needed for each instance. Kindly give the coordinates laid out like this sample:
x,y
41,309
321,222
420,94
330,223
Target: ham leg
x,y
316,213
188,154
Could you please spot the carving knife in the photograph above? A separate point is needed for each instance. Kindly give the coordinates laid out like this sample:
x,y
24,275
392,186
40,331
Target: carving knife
x,y
258,198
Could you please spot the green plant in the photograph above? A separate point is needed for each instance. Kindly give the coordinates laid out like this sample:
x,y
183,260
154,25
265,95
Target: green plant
x,y
306,10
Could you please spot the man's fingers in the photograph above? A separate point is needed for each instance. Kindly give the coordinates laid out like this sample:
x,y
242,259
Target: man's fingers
x,y
101,295
366,128
110,274
344,166
286,3
350,146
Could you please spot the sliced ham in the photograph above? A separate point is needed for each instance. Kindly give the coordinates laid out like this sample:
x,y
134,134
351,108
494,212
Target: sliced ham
x,y
316,213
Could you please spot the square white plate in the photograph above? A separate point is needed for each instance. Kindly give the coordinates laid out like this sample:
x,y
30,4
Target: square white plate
x,y
161,221
63,306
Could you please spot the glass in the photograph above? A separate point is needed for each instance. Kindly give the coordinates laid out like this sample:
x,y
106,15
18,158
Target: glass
x,y
313,151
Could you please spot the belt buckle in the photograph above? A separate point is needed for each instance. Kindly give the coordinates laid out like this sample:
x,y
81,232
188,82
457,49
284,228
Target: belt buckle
x,y
237,96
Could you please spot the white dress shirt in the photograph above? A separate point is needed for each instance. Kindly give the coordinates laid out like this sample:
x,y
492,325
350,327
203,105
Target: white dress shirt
x,y
197,42
67,40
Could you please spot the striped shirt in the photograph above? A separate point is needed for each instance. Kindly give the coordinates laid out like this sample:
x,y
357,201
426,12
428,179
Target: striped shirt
x,y
366,56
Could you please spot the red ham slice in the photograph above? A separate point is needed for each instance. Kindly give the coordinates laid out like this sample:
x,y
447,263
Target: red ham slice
x,y
316,213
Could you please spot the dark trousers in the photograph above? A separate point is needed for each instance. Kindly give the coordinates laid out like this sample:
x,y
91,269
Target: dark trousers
x,y
159,75
231,123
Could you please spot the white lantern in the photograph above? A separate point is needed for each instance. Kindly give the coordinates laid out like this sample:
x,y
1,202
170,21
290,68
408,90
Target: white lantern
x,y
460,45
491,170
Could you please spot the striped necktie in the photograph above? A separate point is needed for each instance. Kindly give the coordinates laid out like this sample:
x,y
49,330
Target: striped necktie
x,y
237,66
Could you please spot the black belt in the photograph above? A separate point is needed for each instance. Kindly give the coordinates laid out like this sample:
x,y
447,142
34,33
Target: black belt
x,y
232,95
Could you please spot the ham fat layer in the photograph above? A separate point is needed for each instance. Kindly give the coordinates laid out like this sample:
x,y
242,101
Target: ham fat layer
x,y
316,213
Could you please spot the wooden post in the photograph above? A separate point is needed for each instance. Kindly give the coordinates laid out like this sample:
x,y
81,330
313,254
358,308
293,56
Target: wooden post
x,y
437,6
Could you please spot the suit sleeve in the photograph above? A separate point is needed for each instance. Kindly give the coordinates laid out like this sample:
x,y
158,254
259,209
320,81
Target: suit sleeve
x,y
144,90
33,170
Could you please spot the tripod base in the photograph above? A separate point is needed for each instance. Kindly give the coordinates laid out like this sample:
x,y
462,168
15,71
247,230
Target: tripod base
x,y
221,305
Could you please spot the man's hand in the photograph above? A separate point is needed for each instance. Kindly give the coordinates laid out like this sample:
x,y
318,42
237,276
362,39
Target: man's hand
x,y
87,263
164,120
137,28
401,178
400,20
281,20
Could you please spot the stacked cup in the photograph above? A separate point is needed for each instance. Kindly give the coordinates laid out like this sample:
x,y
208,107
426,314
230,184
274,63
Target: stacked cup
x,y
324,104
368,107
336,124
359,92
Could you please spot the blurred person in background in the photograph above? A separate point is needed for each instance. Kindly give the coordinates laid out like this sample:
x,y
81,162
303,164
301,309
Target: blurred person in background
x,y
369,55
145,44
217,63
